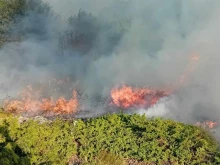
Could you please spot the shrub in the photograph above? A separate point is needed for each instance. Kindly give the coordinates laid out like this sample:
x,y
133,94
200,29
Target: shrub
x,y
153,141
46,143
106,158
109,139
10,152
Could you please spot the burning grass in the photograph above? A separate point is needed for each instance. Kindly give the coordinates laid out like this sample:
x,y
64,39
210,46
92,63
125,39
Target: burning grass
x,y
32,102
208,124
127,97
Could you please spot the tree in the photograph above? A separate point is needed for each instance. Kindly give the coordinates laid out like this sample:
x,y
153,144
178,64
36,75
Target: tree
x,y
86,33
20,18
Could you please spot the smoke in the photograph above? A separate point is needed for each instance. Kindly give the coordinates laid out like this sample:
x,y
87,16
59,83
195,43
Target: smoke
x,y
144,43
160,109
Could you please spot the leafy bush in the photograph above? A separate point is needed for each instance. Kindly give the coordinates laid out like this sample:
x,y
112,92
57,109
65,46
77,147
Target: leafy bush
x,y
46,143
109,139
106,158
153,141
34,142
10,152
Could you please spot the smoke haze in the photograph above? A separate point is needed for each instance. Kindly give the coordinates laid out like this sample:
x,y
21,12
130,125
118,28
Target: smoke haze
x,y
154,51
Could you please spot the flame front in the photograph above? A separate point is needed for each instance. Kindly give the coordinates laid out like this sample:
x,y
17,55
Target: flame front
x,y
208,124
31,102
126,96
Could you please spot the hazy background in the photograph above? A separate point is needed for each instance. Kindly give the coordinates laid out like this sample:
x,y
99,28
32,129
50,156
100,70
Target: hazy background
x,y
149,45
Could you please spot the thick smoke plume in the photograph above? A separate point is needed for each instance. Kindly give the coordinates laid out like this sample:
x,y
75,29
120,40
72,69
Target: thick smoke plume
x,y
141,43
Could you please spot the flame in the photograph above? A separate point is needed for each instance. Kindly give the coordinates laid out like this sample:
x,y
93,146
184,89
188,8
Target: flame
x,y
208,124
32,102
193,59
127,96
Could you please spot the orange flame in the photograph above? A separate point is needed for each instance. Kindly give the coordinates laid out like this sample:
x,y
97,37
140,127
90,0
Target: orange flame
x,y
30,102
187,71
208,124
126,96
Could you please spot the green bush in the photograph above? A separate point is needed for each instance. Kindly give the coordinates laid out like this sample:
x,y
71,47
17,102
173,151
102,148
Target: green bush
x,y
46,143
106,158
109,139
153,141
10,152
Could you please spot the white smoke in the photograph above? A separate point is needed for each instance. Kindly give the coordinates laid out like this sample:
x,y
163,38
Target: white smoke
x,y
154,51
160,109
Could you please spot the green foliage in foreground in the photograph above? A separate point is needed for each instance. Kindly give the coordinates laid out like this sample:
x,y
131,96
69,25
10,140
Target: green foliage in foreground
x,y
105,140
10,153
133,136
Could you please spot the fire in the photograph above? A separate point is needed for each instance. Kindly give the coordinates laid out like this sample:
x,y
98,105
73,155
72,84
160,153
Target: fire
x,y
208,124
193,59
32,102
126,96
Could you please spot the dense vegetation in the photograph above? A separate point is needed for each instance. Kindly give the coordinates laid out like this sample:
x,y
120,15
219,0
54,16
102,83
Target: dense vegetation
x,y
110,139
